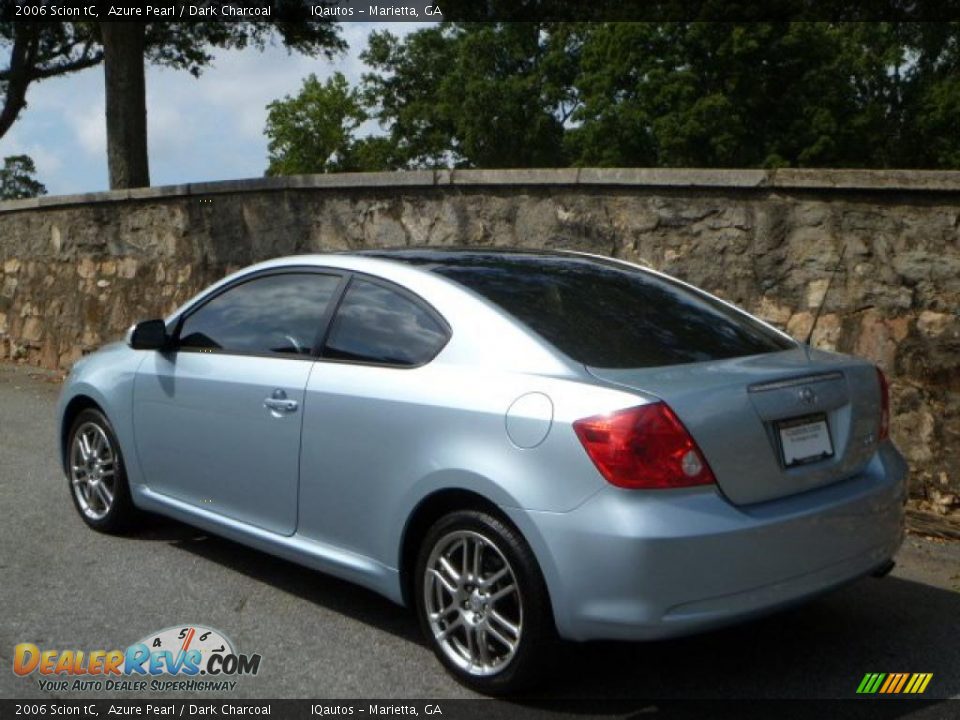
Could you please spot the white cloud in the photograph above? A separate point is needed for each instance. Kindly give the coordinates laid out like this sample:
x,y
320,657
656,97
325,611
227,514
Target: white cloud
x,y
89,126
63,130
48,163
209,128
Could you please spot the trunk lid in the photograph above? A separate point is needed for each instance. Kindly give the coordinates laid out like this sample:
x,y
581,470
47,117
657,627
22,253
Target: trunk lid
x,y
738,409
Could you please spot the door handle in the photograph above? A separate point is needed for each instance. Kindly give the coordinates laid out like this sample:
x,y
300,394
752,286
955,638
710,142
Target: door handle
x,y
279,403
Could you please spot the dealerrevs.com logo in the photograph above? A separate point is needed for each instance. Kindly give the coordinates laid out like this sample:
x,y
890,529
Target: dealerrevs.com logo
x,y
179,658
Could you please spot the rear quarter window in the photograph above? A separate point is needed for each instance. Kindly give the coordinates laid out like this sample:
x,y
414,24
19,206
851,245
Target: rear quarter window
x,y
604,314
376,324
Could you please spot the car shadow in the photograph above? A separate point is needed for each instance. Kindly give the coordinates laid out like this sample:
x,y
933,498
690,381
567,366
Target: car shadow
x,y
325,590
821,649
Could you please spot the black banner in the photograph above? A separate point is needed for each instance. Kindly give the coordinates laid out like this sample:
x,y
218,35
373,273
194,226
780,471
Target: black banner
x,y
477,10
528,709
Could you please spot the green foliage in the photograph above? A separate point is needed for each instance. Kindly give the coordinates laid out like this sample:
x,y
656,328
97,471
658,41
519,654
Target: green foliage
x,y
186,45
486,95
713,94
313,131
17,179
717,94
800,94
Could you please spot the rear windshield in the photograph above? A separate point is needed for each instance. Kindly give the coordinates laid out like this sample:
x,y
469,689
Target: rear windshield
x,y
607,315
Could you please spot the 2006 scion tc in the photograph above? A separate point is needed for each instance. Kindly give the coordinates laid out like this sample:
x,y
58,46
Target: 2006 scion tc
x,y
523,446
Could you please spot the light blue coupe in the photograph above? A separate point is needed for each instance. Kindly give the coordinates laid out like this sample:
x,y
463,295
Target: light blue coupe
x,y
523,446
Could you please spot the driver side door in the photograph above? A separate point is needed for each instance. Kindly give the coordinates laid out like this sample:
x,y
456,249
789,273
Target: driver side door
x,y
218,418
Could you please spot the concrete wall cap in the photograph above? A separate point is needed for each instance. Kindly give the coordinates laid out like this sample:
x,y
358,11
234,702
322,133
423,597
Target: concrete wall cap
x,y
639,178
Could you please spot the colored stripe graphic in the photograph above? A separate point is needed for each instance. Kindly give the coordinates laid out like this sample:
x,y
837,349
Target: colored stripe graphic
x,y
891,680
900,684
870,683
894,683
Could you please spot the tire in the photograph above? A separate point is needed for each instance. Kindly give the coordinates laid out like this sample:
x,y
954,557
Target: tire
x,y
471,634
96,474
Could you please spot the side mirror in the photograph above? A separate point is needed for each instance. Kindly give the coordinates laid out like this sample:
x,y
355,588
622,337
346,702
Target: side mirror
x,y
150,335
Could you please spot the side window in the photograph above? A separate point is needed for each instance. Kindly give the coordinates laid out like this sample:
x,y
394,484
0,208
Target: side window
x,y
376,324
273,314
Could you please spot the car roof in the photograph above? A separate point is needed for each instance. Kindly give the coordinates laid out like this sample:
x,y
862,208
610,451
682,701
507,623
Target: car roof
x,y
516,348
453,256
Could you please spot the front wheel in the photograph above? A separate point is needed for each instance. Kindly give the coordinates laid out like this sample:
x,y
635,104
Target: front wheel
x,y
97,475
483,604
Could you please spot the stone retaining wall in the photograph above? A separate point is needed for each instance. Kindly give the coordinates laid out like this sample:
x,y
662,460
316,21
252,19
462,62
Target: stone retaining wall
x,y
76,271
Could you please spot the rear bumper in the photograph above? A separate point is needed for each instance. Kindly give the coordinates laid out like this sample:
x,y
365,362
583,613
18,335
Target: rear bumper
x,y
634,565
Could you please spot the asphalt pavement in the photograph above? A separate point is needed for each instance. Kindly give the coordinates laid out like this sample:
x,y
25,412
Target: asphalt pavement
x,y
64,586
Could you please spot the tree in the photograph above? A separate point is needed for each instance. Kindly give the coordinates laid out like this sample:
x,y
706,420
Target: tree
x,y
313,132
928,85
715,94
184,46
403,91
474,95
42,50
38,51
16,179
767,94
126,104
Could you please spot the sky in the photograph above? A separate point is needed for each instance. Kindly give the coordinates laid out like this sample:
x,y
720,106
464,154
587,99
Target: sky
x,y
203,129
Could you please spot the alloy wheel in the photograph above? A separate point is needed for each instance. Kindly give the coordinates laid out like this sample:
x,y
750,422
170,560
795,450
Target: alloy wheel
x,y
93,470
473,603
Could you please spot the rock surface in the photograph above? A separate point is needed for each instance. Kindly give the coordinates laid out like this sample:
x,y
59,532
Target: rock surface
x,y
76,272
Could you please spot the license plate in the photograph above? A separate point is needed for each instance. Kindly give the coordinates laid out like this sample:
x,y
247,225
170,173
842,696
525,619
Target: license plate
x,y
805,440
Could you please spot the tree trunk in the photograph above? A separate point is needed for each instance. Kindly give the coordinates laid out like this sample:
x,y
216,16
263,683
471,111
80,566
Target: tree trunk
x,y
21,63
123,67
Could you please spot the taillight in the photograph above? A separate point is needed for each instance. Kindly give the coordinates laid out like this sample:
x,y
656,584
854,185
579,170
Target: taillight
x,y
644,447
884,406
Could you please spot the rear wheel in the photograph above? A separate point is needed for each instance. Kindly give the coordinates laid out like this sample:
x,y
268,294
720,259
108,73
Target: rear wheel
x,y
97,475
482,603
